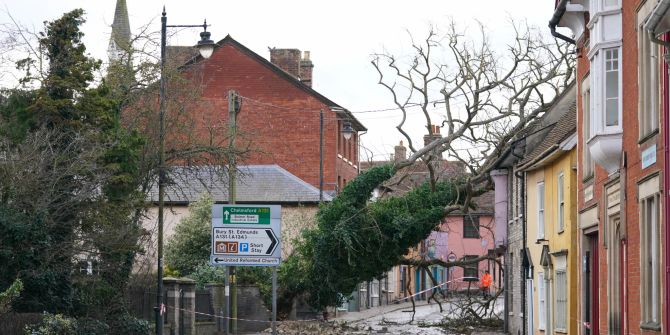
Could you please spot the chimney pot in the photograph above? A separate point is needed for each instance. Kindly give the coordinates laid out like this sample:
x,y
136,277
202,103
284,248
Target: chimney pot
x,y
430,138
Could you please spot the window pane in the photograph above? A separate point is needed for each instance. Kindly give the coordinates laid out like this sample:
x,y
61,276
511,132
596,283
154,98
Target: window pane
x,y
612,112
611,3
611,87
612,84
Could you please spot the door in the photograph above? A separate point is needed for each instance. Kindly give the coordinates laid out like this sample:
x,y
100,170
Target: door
x,y
529,305
591,280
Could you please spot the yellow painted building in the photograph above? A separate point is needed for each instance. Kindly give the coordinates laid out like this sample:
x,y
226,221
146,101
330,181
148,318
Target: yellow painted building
x,y
551,221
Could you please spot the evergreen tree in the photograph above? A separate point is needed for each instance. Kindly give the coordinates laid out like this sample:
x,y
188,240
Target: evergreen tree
x,y
70,183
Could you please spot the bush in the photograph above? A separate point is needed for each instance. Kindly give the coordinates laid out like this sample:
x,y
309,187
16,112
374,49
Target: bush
x,y
128,325
58,324
54,324
190,247
206,273
88,326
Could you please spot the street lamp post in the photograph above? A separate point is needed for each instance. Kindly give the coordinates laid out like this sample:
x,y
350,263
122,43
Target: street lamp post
x,y
206,47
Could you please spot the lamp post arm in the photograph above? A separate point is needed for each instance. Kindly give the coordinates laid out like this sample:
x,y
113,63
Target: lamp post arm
x,y
188,26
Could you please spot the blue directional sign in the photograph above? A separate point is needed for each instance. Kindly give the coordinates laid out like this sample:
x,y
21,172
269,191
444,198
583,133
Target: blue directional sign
x,y
254,242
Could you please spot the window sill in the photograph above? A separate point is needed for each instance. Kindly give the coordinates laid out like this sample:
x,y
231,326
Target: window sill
x,y
588,178
647,137
655,326
560,331
561,231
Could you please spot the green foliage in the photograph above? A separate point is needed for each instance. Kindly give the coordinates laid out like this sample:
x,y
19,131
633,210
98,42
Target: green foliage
x,y
14,105
54,324
205,273
189,247
128,325
358,241
11,293
59,324
64,145
89,326
23,242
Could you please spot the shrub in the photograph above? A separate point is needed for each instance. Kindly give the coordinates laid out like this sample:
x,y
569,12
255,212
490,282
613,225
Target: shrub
x,y
128,325
53,324
88,326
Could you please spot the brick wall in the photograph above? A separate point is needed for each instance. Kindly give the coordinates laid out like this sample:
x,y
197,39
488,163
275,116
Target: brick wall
x,y
514,248
279,120
631,174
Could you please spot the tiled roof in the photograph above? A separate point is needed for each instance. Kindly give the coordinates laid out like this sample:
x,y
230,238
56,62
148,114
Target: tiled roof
x,y
560,130
417,174
255,184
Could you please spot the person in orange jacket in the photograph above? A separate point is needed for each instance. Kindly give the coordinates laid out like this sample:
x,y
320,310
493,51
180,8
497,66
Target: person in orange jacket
x,y
486,282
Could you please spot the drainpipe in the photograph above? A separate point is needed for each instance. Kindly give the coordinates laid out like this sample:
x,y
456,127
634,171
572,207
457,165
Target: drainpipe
x,y
651,24
558,14
358,153
522,197
508,270
666,167
522,283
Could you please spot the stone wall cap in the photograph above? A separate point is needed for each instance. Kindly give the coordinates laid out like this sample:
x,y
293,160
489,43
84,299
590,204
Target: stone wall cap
x,y
186,280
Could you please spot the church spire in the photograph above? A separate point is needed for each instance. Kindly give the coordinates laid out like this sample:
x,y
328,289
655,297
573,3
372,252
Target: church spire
x,y
119,41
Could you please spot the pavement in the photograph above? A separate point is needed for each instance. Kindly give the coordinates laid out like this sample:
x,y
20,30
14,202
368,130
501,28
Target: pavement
x,y
387,319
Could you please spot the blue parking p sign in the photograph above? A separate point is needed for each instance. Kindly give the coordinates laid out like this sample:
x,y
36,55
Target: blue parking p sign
x,y
244,247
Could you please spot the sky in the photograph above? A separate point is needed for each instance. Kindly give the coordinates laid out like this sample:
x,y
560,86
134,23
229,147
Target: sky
x,y
341,36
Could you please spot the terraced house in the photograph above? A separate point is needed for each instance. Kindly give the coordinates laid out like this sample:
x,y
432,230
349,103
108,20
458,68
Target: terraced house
x,y
535,190
622,162
551,181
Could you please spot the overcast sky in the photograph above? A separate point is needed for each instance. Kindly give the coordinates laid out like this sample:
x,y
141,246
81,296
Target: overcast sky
x,y
341,36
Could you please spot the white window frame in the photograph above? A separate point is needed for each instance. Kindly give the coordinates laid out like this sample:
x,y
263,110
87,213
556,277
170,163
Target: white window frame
x,y
560,209
604,5
588,163
650,259
607,69
561,300
541,302
648,83
540,210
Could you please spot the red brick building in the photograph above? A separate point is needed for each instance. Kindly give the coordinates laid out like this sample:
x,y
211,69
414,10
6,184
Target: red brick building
x,y
279,117
622,164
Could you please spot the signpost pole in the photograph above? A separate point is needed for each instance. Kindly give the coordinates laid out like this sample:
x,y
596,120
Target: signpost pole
x,y
274,300
232,176
226,297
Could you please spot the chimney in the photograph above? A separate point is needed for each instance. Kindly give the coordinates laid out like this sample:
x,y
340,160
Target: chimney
x,y
428,139
400,152
293,62
306,67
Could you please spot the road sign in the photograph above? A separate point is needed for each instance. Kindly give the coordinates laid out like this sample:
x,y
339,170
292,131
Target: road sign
x,y
246,215
246,235
243,241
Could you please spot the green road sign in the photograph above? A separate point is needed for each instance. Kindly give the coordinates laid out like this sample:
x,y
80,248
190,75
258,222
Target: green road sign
x,y
246,215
